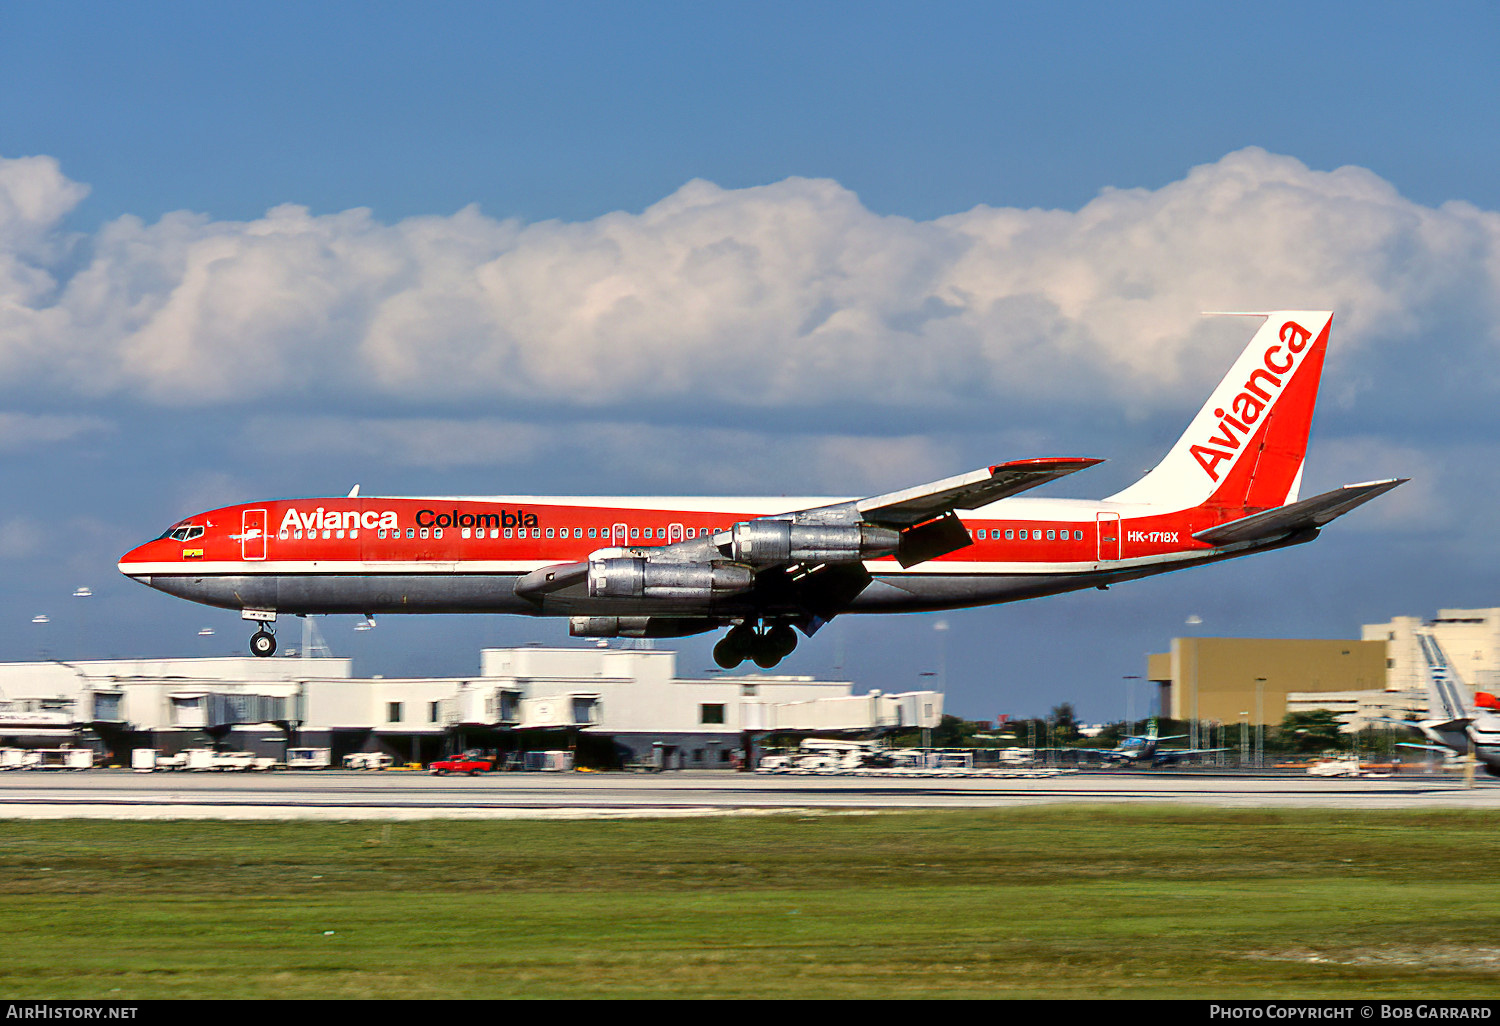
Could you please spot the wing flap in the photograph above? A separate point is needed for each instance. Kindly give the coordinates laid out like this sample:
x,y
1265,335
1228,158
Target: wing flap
x,y
935,538
967,491
1309,513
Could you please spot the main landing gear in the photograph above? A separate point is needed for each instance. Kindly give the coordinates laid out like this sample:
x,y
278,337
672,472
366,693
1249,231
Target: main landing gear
x,y
766,647
262,643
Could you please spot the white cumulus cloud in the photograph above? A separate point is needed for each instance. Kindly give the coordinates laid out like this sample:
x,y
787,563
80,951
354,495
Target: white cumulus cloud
x,y
715,460
785,295
25,430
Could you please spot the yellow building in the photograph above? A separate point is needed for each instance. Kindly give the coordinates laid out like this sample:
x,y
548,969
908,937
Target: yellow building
x,y
1229,680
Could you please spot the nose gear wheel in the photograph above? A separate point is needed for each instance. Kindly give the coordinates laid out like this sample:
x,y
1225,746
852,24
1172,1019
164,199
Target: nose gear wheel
x,y
262,643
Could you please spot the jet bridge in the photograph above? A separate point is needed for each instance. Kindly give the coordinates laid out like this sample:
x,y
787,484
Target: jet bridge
x,y
210,710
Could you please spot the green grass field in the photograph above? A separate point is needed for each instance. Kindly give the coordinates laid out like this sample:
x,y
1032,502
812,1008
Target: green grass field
x,y
1049,903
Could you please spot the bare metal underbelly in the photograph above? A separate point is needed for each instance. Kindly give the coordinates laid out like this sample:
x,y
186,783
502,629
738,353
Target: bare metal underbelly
x,y
495,593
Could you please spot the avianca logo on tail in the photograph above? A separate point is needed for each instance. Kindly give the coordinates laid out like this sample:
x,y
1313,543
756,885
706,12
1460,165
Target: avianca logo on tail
x,y
1259,393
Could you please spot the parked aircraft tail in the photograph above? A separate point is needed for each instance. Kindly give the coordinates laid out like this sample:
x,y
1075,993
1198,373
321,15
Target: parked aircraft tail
x,y
1446,703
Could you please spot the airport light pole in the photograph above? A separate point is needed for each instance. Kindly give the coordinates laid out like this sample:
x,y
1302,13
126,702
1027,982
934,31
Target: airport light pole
x,y
1129,705
1260,723
926,730
941,629
41,648
1194,620
80,627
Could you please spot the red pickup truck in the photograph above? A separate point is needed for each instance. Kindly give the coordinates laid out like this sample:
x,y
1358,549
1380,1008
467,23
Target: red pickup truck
x,y
470,763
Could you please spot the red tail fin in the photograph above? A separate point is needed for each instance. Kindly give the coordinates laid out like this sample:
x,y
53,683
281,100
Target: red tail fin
x,y
1243,451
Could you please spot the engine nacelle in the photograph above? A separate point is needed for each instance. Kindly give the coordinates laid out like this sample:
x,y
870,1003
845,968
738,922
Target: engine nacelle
x,y
767,542
624,577
639,626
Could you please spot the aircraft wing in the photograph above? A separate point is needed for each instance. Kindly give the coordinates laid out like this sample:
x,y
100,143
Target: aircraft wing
x,y
1173,754
1309,513
977,488
1425,748
925,514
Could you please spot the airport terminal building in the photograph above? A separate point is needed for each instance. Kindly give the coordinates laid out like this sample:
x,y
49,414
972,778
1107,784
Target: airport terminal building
x,y
1369,682
614,707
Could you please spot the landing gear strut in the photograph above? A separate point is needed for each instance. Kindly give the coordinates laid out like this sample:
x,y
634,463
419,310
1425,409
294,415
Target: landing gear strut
x,y
766,647
262,643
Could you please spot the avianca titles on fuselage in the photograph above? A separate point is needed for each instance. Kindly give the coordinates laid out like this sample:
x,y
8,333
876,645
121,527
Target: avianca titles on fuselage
x,y
668,567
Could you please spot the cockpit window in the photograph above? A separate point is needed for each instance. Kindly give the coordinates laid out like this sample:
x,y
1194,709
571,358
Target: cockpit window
x,y
184,533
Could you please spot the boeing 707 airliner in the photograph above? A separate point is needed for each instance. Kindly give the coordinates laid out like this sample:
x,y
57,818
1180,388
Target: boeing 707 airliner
x,y
765,567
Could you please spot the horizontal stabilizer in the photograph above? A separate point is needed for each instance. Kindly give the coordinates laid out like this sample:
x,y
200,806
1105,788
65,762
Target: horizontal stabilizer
x,y
1309,513
967,491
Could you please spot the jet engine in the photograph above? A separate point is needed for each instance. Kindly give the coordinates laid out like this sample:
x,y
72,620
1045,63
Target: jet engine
x,y
627,577
638,626
767,542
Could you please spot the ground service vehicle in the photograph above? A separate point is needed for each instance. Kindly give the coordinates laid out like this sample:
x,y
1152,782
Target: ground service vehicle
x,y
470,763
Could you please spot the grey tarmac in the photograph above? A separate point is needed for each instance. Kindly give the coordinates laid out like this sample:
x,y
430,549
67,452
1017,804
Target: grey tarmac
x,y
340,795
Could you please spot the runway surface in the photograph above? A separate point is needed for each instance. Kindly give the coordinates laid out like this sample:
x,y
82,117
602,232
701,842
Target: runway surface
x,y
121,794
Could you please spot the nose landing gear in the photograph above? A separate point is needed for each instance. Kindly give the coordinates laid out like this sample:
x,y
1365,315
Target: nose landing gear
x,y
262,643
765,647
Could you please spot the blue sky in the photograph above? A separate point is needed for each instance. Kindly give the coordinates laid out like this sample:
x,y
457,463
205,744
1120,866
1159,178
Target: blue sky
x,y
275,249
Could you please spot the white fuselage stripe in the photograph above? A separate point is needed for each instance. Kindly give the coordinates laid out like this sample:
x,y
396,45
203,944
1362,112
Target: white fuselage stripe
x,y
881,568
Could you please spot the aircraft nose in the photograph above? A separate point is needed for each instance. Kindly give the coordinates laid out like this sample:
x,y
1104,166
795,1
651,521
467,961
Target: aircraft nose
x,y
133,563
